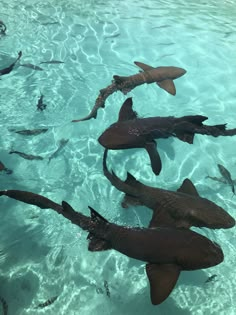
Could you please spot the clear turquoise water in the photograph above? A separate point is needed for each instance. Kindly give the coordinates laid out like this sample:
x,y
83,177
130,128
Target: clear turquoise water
x,y
43,255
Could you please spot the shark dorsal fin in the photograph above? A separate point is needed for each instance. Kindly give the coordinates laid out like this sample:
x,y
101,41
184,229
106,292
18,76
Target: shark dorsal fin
x,y
143,66
126,111
95,216
188,187
130,179
119,79
168,86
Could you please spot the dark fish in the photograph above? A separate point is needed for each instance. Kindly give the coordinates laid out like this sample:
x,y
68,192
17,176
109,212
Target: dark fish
x,y
133,132
182,208
32,199
162,76
48,302
30,132
4,169
10,68
27,156
210,279
62,143
4,306
167,250
107,288
3,28
29,65
40,105
52,61
227,176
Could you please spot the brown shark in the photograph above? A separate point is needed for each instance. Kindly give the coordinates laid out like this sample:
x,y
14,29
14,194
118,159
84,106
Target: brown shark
x,y
182,208
162,76
167,250
133,132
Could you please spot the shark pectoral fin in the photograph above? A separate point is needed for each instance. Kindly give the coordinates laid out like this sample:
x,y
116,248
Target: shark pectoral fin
x,y
96,244
162,279
129,200
185,136
188,187
168,86
154,157
126,112
143,66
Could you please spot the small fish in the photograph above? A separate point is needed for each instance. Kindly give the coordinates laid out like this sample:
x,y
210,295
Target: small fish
x,y
107,288
227,176
217,179
52,62
210,279
31,66
48,302
10,68
3,28
4,169
112,35
27,156
99,290
30,132
62,143
4,305
40,105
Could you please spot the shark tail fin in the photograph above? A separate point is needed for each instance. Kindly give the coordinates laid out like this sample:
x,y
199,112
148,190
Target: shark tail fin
x,y
96,243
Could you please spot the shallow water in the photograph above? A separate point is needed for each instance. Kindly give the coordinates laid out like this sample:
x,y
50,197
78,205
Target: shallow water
x,y
41,254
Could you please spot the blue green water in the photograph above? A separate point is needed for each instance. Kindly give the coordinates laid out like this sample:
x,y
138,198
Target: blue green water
x,y
43,255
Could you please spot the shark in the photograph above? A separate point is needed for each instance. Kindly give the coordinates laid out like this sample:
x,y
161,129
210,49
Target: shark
x,y
183,208
166,250
162,76
130,131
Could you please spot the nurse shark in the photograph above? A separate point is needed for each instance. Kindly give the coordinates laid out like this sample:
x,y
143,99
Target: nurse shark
x,y
166,250
162,76
130,131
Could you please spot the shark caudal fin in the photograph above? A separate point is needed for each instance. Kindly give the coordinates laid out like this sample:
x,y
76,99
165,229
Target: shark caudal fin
x,y
97,243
